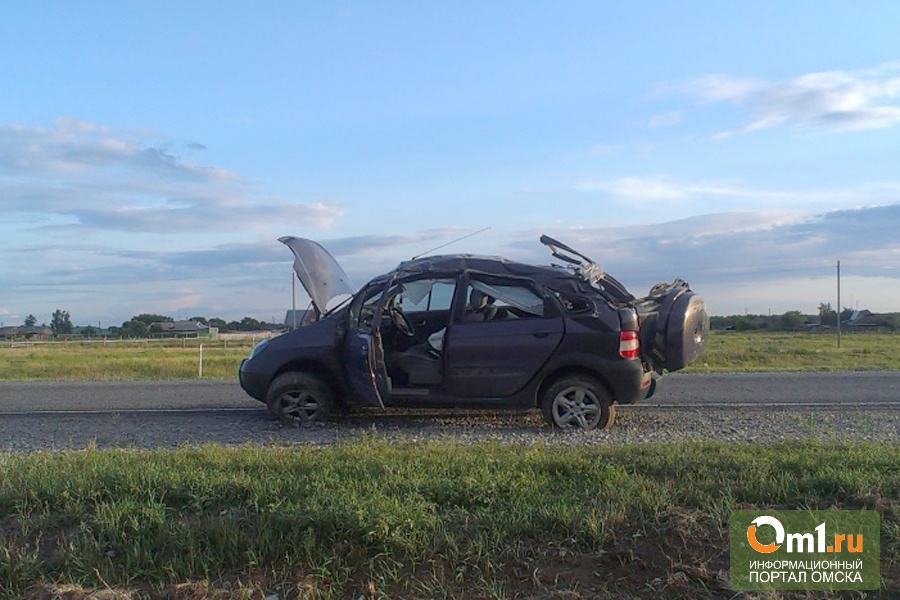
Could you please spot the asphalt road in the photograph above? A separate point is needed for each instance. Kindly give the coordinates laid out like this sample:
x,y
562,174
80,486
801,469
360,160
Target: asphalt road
x,y
18,397
36,416
807,389
676,390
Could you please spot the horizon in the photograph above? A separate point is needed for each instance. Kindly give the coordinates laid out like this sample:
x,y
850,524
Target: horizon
x,y
274,321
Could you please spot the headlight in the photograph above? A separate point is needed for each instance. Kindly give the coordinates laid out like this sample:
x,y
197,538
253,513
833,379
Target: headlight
x,y
259,347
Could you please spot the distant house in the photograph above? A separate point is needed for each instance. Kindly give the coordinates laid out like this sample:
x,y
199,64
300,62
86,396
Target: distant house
x,y
37,332
179,329
861,320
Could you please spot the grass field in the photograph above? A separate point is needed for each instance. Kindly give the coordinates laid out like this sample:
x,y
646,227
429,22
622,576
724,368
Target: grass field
x,y
424,520
726,351
762,351
155,359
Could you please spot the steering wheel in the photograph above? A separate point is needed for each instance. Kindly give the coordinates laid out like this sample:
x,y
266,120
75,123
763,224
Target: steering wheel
x,y
402,322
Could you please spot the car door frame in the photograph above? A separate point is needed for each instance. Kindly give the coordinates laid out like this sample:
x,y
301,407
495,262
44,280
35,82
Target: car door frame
x,y
363,349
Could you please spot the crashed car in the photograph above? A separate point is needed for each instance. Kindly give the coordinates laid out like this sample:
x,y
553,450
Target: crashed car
x,y
475,331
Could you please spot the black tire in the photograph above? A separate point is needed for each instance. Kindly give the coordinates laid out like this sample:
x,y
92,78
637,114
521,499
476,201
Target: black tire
x,y
578,401
297,398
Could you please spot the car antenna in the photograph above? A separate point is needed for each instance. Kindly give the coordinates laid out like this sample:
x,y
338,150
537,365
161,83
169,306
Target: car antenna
x,y
450,242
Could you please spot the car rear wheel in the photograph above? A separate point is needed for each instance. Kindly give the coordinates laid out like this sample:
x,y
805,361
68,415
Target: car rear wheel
x,y
578,401
297,398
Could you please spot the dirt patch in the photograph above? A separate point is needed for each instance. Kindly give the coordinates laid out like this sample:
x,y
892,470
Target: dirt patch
x,y
75,592
680,554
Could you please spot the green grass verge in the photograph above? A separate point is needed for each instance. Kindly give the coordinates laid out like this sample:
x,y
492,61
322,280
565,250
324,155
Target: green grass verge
x,y
726,351
437,519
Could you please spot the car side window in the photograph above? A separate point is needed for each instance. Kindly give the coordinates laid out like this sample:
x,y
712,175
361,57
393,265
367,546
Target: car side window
x,y
573,304
425,295
488,301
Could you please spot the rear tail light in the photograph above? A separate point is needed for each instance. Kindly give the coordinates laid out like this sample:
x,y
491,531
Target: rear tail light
x,y
629,346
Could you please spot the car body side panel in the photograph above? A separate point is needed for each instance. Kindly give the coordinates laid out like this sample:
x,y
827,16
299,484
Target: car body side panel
x,y
626,379
591,345
312,348
498,358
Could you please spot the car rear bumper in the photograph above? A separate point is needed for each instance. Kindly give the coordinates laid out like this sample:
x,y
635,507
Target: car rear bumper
x,y
628,380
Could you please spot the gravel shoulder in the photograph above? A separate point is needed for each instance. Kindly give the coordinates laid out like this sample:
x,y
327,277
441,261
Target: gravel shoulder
x,y
633,426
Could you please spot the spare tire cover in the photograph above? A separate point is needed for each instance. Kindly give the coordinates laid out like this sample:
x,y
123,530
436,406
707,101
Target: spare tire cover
x,y
682,329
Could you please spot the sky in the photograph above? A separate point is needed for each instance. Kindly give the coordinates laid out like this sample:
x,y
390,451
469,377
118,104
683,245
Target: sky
x,y
152,153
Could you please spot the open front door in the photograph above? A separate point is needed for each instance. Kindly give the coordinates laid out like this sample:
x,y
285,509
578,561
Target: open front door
x,y
364,357
363,349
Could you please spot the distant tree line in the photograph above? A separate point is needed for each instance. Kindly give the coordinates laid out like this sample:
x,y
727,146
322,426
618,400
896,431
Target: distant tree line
x,y
60,322
142,325
794,320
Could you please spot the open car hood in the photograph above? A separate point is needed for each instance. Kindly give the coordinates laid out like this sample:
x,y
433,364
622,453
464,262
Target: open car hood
x,y
321,275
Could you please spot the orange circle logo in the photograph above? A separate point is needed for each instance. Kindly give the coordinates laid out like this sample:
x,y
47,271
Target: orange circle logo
x,y
765,548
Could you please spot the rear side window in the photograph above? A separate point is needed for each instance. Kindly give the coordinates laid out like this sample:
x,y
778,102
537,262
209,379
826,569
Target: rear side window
x,y
501,301
573,304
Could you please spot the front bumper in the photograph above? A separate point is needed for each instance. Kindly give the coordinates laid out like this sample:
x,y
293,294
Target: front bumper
x,y
255,384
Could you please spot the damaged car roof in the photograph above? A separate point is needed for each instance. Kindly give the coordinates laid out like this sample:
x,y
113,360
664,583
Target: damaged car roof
x,y
324,279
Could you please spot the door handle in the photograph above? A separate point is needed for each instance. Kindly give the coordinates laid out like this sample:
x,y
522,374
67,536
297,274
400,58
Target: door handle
x,y
541,333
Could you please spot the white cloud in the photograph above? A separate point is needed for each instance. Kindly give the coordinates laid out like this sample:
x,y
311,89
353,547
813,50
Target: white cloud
x,y
602,149
670,197
838,100
666,119
649,188
91,177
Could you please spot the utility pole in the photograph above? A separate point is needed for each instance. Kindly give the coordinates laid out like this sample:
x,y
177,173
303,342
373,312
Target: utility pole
x,y
839,303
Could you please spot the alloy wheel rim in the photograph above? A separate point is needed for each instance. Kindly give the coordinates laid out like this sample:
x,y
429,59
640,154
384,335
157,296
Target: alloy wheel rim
x,y
299,406
576,406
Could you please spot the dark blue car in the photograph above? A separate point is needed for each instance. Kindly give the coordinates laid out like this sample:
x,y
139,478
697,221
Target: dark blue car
x,y
475,331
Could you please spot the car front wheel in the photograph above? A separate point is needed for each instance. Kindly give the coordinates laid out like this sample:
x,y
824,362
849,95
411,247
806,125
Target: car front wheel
x,y
578,401
300,398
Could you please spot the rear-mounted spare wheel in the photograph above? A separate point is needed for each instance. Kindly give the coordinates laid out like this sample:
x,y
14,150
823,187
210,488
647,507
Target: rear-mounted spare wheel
x,y
681,326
